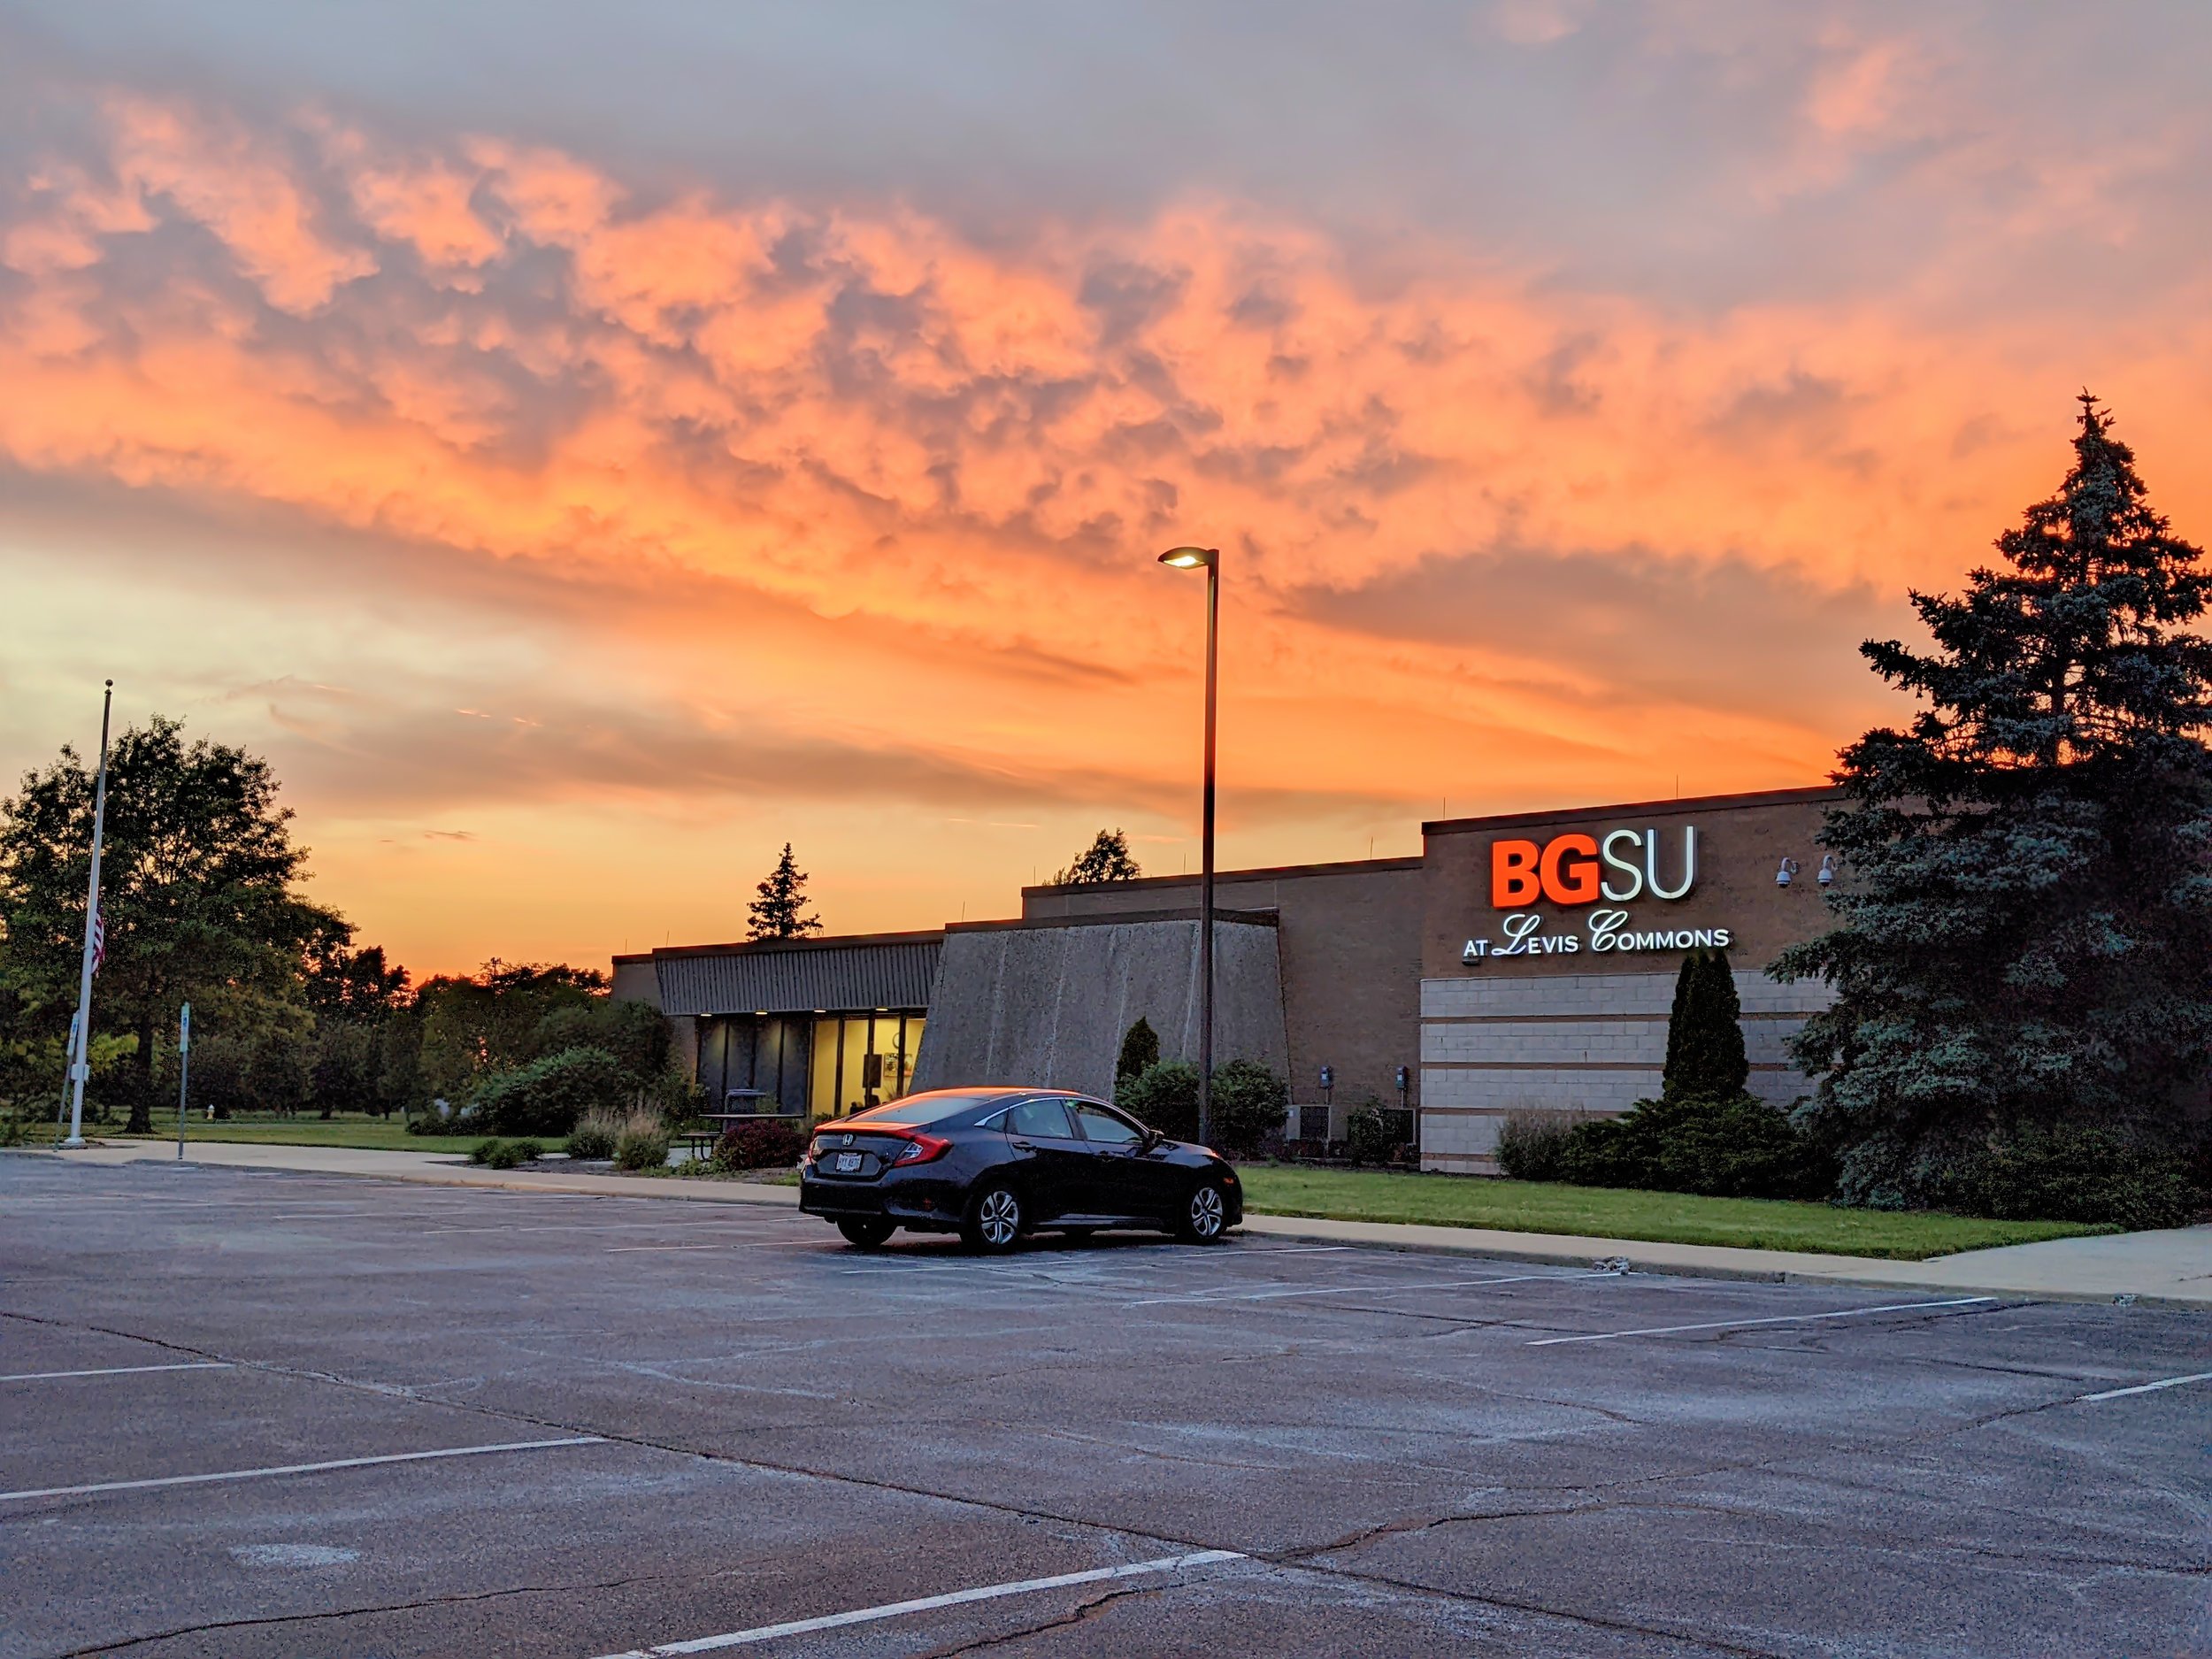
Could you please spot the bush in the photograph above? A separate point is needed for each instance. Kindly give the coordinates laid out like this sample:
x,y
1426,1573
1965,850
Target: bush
x,y
593,1137
1705,1048
1140,1050
1163,1096
2075,1172
762,1144
1369,1135
529,1151
1532,1146
546,1096
1738,1147
497,1154
643,1143
1249,1104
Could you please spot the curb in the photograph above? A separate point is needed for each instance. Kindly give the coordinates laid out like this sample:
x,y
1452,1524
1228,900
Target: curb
x,y
1288,1227
1522,1247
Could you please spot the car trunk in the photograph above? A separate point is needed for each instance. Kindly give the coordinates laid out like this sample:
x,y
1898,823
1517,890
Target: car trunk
x,y
855,1155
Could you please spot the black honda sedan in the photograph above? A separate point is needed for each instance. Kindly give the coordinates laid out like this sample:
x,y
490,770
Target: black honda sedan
x,y
992,1163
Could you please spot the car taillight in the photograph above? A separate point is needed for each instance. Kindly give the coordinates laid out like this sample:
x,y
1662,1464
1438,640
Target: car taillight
x,y
922,1148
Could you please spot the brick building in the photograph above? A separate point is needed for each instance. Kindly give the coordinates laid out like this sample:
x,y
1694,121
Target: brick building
x,y
1523,962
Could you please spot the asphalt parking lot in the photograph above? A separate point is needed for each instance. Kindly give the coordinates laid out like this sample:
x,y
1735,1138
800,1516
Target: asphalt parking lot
x,y
248,1414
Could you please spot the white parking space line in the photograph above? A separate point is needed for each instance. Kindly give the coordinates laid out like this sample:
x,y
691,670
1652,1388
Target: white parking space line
x,y
1783,1318
117,1370
300,1469
1208,1298
2109,1393
929,1603
592,1226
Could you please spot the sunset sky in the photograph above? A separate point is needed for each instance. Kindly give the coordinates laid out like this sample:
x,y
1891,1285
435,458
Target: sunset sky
x,y
586,448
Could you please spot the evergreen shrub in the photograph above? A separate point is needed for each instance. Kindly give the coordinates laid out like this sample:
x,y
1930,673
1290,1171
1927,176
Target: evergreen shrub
x,y
2073,1172
1738,1147
1140,1050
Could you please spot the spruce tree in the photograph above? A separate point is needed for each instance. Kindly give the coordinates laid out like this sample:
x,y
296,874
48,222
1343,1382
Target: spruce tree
x,y
1705,1051
1140,1050
2025,926
780,912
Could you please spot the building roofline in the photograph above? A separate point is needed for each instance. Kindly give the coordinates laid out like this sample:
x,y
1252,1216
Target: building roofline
x,y
1584,814
1347,867
824,941
1112,918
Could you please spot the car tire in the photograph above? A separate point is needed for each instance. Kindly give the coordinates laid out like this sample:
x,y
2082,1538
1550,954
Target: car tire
x,y
867,1232
1204,1217
994,1220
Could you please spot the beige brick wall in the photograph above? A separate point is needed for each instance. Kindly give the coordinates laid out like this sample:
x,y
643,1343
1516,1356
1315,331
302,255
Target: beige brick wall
x,y
1594,1042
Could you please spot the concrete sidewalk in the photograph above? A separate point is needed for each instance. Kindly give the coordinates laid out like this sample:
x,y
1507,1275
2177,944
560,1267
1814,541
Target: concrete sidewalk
x,y
2172,1268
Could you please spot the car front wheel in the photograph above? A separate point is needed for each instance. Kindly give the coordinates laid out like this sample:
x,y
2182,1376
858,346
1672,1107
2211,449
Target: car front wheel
x,y
994,1220
866,1232
1205,1218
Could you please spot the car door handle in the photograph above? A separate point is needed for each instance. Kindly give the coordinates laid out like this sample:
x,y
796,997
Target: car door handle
x,y
1022,1145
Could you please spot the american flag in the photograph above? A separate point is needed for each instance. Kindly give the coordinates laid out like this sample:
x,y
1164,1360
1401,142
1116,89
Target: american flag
x,y
99,940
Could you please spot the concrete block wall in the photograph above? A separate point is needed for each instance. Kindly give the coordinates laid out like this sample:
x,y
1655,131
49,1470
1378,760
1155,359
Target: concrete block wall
x,y
1589,1043
1048,1005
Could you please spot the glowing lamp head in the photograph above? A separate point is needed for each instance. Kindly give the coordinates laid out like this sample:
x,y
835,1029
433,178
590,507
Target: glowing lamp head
x,y
1190,558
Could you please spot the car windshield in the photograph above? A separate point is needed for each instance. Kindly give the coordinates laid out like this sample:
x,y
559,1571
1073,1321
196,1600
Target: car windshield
x,y
917,1110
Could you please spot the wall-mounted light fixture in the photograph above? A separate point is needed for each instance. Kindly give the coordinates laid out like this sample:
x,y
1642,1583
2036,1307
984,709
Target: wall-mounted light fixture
x,y
1790,867
1827,875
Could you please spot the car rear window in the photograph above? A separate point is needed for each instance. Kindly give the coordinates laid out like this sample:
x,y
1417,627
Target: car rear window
x,y
922,1109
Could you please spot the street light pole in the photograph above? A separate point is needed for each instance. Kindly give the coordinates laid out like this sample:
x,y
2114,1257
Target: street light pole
x,y
1189,558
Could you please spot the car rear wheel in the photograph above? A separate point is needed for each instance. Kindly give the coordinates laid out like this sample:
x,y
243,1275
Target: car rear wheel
x,y
866,1232
1205,1217
994,1221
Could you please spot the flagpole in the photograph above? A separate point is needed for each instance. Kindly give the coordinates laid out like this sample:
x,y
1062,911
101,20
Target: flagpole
x,y
78,1065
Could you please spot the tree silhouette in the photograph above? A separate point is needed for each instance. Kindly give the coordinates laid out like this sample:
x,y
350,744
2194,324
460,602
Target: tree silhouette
x,y
780,912
1106,859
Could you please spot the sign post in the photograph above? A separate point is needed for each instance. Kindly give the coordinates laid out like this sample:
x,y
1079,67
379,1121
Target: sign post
x,y
61,1112
184,1072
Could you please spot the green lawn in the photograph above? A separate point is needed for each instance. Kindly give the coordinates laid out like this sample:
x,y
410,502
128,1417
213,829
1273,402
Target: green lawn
x,y
1461,1201
378,1134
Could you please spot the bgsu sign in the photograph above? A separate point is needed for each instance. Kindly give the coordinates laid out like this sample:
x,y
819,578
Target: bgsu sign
x,y
1578,869
1574,870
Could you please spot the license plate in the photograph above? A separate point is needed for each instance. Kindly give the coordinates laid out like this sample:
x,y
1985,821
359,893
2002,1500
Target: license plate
x,y
848,1162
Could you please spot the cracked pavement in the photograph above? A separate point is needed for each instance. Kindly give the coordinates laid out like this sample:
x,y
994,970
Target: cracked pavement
x,y
789,1429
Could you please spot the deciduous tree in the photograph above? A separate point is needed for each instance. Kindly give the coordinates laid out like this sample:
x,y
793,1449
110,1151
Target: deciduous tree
x,y
1106,859
198,889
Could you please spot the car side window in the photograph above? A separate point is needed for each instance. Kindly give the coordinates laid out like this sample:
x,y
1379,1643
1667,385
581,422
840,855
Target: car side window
x,y
1045,1118
1107,1128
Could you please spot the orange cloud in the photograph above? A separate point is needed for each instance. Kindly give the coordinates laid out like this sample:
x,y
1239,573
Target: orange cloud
x,y
907,486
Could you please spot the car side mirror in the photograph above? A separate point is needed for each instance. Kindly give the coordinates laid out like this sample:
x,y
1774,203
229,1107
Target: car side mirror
x,y
1150,1138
